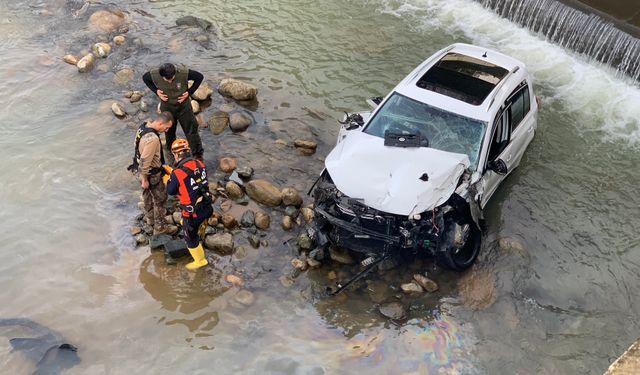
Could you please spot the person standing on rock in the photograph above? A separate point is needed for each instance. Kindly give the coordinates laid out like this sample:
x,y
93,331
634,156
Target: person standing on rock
x,y
148,160
171,85
188,181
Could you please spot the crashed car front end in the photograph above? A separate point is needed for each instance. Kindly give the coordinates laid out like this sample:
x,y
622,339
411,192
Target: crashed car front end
x,y
347,222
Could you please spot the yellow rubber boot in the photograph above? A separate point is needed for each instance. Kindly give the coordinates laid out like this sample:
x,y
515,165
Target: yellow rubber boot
x,y
198,258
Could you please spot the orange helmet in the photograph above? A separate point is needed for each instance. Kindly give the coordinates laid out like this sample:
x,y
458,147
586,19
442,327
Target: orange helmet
x,y
180,145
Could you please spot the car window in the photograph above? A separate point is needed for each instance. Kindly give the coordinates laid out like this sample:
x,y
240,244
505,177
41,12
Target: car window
x,y
437,128
501,135
520,105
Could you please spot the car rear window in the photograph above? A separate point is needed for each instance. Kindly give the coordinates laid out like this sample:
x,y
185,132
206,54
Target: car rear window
x,y
462,77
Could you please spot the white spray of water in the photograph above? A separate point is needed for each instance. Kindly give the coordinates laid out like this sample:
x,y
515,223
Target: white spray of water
x,y
591,93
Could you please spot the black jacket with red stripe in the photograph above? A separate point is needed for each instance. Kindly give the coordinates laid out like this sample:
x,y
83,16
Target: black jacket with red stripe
x,y
189,182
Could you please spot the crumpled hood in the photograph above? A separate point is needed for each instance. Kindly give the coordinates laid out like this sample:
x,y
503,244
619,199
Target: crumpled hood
x,y
388,178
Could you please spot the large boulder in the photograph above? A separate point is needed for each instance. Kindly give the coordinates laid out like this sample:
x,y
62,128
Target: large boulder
x,y
239,122
71,59
106,20
203,92
86,63
237,89
234,191
218,122
118,110
220,242
264,192
195,107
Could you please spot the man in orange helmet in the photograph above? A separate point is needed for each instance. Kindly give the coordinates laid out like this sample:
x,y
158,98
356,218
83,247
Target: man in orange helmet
x,y
188,181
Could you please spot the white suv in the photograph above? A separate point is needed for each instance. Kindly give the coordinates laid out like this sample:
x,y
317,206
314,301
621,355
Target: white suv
x,y
416,172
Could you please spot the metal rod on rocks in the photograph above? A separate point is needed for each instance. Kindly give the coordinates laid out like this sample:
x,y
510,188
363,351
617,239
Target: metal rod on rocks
x,y
360,275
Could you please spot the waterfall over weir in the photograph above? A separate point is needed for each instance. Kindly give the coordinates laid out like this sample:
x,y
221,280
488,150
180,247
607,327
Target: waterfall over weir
x,y
571,28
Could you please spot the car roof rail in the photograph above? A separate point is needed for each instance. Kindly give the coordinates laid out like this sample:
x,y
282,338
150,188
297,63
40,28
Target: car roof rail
x,y
430,61
499,86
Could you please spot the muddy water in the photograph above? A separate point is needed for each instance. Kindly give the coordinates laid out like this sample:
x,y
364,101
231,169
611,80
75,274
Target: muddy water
x,y
564,303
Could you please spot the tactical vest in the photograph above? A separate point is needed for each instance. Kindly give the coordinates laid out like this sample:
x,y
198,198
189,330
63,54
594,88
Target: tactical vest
x,y
199,186
142,130
177,87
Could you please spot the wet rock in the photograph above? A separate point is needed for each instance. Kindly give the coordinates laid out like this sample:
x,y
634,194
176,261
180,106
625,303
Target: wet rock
x,y
332,275
135,230
177,217
123,29
299,264
123,76
426,283
106,20
102,68
227,164
340,255
136,97
101,49
144,107
628,363
317,254
238,122
220,242
264,192
305,144
291,211
378,291
142,239
218,122
286,281
262,220
128,94
287,222
304,242
411,287
280,142
227,107
202,39
307,214
511,245
148,229
195,106
254,241
393,310
118,110
291,197
234,191
86,63
244,297
119,40
226,205
264,243
194,22
237,89
71,59
234,280
248,218
229,221
213,221
203,92
477,289
245,172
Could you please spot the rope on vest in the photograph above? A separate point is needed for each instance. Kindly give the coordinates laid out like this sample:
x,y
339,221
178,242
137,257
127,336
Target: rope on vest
x,y
204,195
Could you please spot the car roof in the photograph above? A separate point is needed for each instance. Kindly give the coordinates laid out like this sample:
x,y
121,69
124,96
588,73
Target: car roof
x,y
464,79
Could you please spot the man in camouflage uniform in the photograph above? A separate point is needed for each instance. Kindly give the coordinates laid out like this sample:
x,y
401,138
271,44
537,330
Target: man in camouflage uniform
x,y
150,158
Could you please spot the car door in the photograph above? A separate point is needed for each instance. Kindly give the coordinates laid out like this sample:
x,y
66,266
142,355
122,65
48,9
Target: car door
x,y
512,132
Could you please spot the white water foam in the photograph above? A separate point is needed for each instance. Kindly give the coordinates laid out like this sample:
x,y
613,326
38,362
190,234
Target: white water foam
x,y
591,93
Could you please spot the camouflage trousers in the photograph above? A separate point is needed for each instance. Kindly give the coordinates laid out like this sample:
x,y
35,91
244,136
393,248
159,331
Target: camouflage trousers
x,y
155,199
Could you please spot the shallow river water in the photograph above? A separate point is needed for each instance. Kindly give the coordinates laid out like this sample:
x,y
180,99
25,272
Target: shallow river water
x,y
565,304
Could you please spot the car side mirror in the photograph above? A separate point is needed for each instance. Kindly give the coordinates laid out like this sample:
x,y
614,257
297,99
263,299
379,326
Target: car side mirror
x,y
498,166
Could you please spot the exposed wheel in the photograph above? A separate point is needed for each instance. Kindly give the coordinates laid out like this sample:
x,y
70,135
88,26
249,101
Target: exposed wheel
x,y
461,258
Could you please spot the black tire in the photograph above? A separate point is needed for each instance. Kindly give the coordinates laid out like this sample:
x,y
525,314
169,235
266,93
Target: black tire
x,y
461,259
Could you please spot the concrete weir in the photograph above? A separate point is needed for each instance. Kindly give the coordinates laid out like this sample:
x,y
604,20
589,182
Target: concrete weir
x,y
628,363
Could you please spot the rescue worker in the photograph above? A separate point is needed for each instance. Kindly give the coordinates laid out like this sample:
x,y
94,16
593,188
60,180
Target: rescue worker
x,y
148,160
188,180
170,84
